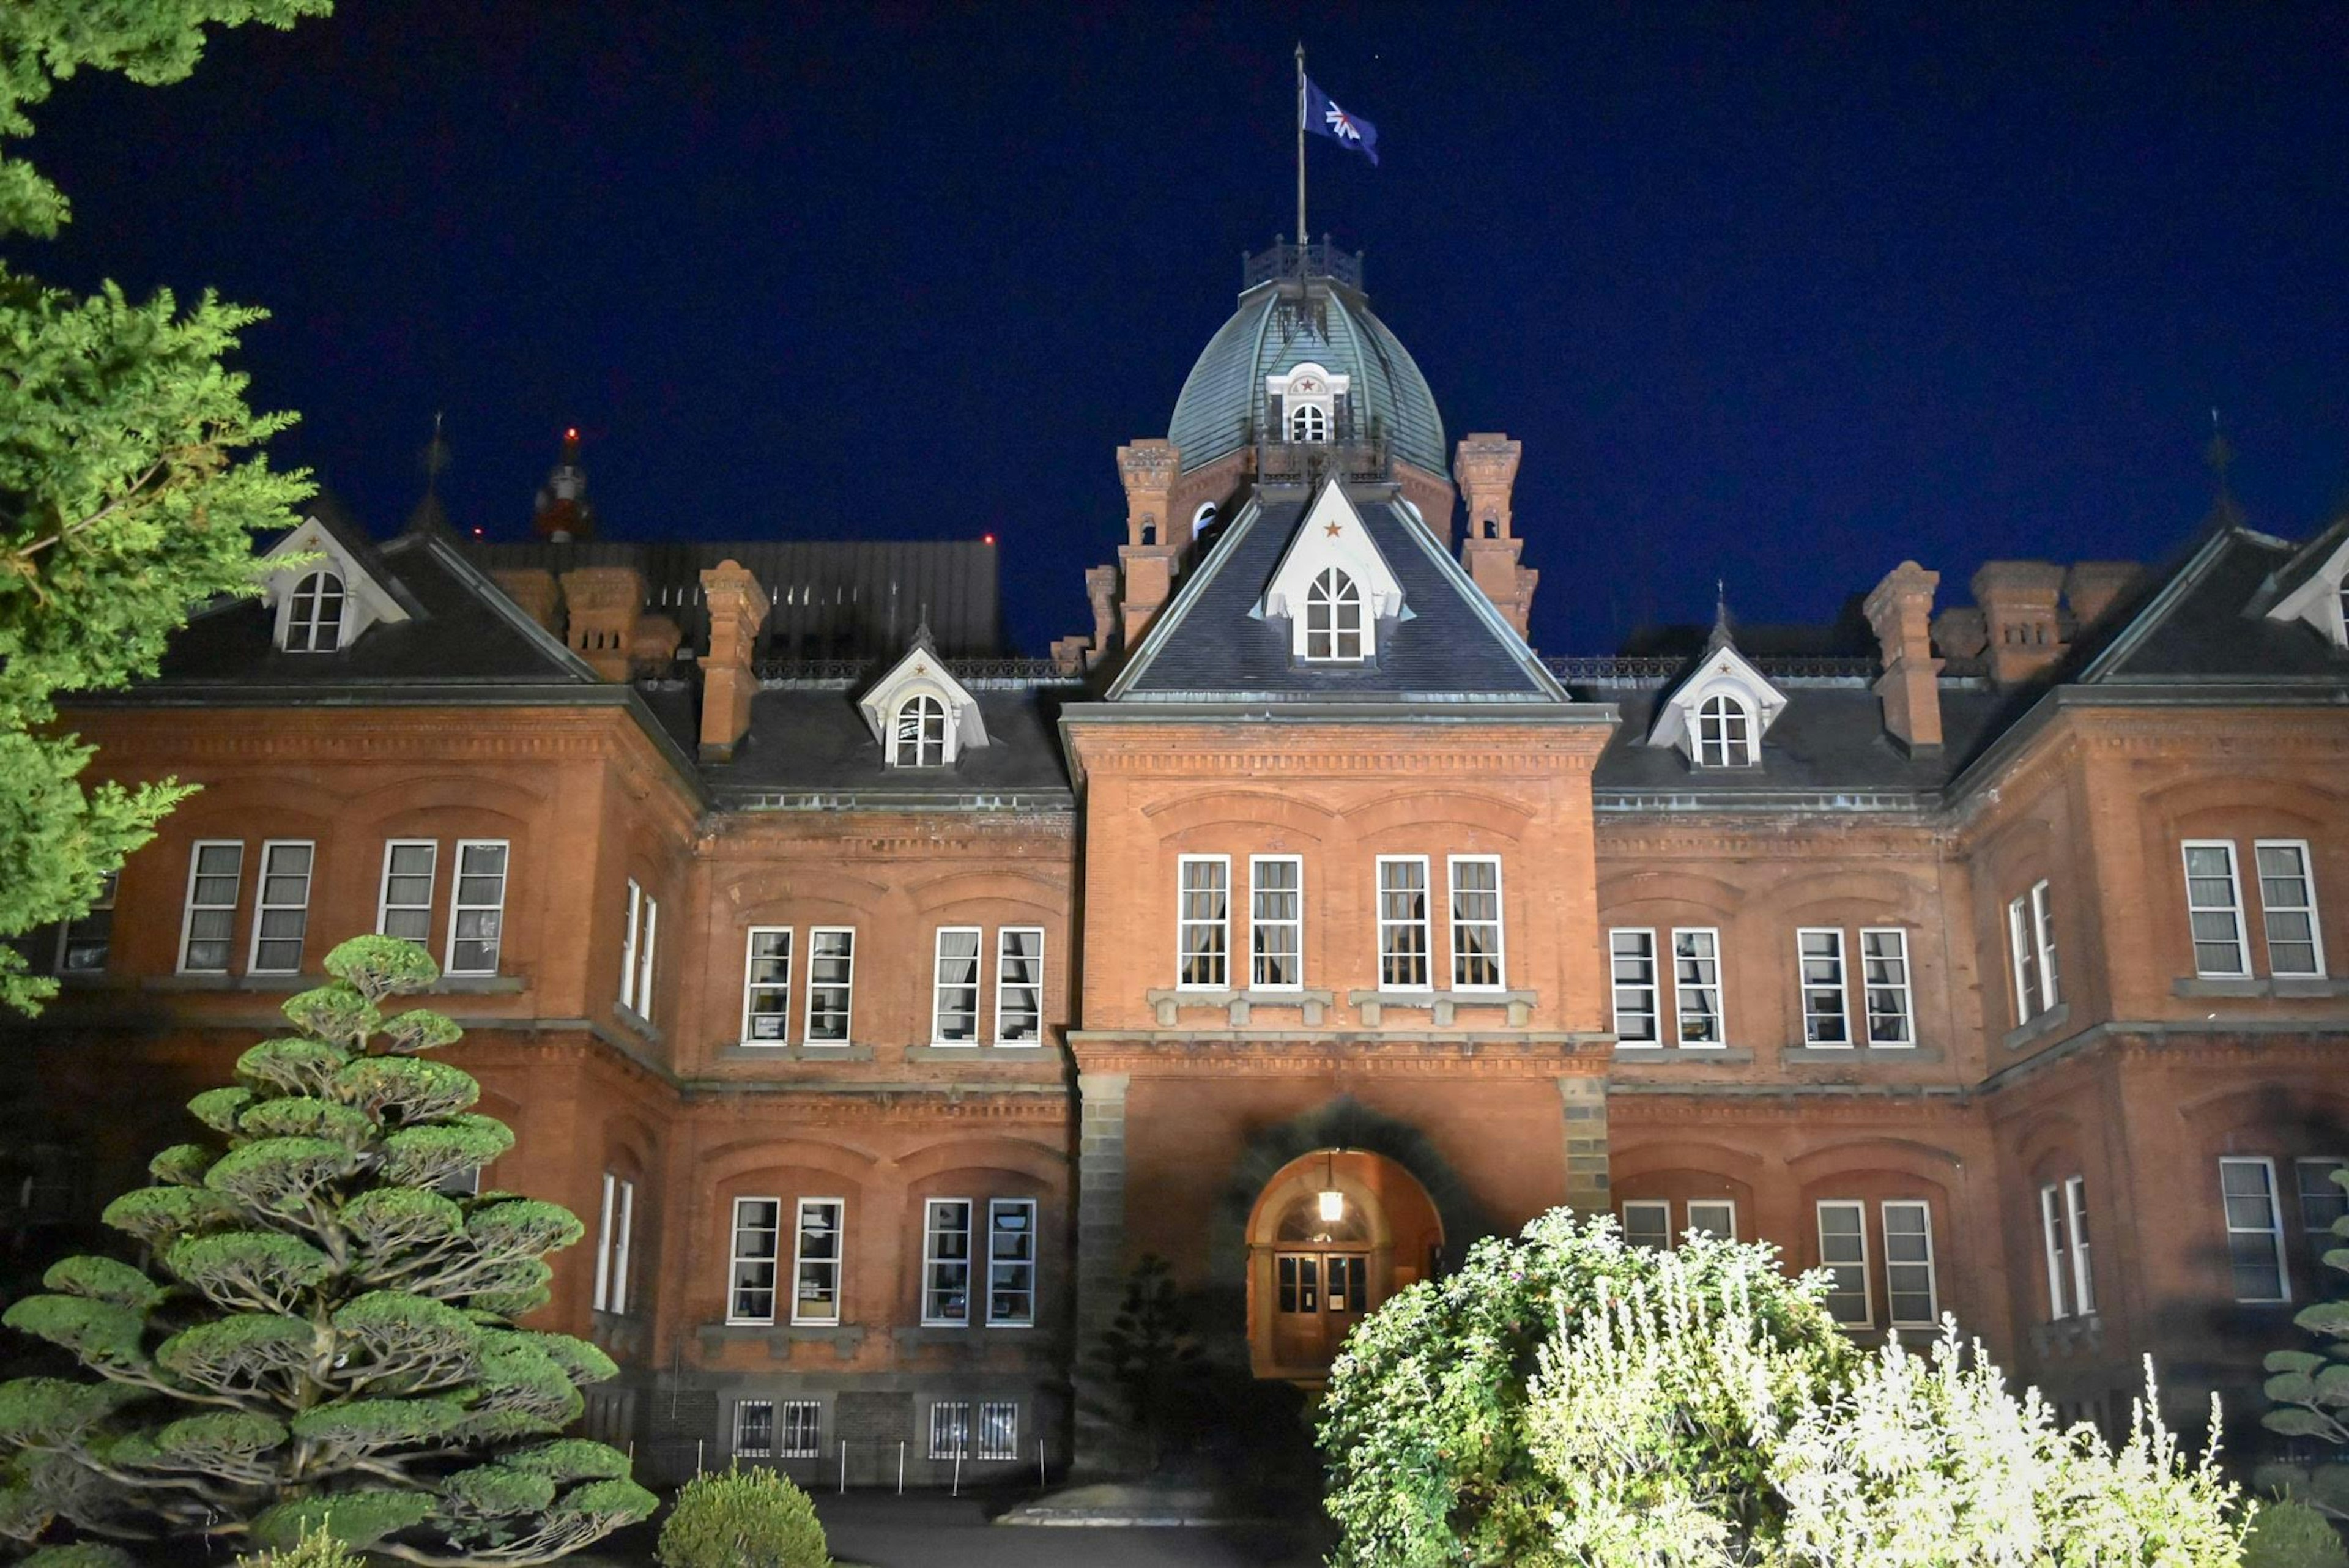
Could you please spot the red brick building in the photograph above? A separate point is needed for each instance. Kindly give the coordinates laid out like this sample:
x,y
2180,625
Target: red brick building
x,y
879,1002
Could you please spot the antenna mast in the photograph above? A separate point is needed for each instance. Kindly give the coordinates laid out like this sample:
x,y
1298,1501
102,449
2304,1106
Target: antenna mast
x,y
1300,156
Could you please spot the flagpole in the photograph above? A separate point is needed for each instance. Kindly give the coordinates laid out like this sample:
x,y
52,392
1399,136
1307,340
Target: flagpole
x,y
1300,156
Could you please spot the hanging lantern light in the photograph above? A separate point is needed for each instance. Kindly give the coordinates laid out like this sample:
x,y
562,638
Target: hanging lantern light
x,y
1333,1202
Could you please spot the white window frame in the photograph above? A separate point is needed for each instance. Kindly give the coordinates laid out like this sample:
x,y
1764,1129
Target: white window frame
x,y
2042,926
650,946
459,908
1929,1263
628,944
329,588
1339,599
1903,988
1867,1319
1711,740
1455,924
736,1259
946,1418
385,908
2307,874
838,1210
932,1262
1655,1216
101,909
2055,1249
2273,1229
1424,921
1712,935
845,988
2242,945
798,1429
2031,951
990,1413
1805,988
1617,985
189,906
2084,1273
931,723
766,1451
939,959
1005,984
2330,1162
614,1235
263,909
776,988
1728,1206
1293,925
1031,1262
1185,924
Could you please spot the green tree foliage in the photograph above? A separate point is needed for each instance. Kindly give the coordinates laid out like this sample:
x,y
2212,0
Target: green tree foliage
x,y
1568,1399
742,1519
124,501
1152,1358
2292,1535
317,1549
2310,1392
324,1341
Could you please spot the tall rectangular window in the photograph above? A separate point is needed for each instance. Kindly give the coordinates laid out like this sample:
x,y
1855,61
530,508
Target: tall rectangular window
x,y
2083,1277
950,1430
282,912
1827,1018
477,908
2030,942
2322,1201
646,948
83,940
832,984
1843,1251
954,987
2064,1231
946,1262
1884,981
1275,922
757,1235
404,907
628,937
767,986
1019,985
1203,923
2254,1230
612,1236
1403,937
1477,946
815,1261
215,869
1647,1223
754,1429
1631,962
1909,1288
2288,907
1716,1218
1011,1262
803,1435
998,1430
2214,908
1696,986
640,937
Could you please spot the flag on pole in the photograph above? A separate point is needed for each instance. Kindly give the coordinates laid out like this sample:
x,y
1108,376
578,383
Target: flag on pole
x,y
1348,130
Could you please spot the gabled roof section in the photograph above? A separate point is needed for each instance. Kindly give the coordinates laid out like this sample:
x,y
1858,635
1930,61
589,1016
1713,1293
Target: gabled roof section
x,y
1213,643
1332,536
324,530
2207,622
921,672
2308,587
1723,669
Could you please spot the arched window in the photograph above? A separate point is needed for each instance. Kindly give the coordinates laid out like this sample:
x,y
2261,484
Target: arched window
x,y
919,737
1205,515
315,625
1724,733
1333,617
1308,423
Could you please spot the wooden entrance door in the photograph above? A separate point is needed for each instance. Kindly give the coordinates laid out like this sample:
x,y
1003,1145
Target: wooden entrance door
x,y
1319,1296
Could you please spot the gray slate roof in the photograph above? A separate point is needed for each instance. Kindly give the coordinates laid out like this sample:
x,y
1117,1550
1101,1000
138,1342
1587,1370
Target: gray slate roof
x,y
1222,405
1830,739
1453,646
817,742
2204,621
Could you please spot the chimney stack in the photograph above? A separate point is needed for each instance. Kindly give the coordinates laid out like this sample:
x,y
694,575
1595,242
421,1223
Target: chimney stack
x,y
604,603
2018,600
738,608
1154,538
1487,465
2092,587
1901,610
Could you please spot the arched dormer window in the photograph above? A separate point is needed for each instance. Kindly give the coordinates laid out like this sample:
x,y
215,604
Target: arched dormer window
x,y
1308,423
1724,732
919,733
316,623
1333,617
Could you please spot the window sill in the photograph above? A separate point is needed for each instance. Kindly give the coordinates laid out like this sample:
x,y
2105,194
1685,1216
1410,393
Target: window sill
x,y
1238,1004
778,1051
2069,1337
1845,1055
477,985
2275,986
1440,1005
1684,1055
779,1339
273,983
972,1053
2039,1026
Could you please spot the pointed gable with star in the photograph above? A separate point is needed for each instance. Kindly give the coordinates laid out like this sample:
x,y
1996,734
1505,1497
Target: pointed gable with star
x,y
1333,588
920,714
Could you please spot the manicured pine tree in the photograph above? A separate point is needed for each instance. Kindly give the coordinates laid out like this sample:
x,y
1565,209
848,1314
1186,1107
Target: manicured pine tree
x,y
322,1332
2309,1390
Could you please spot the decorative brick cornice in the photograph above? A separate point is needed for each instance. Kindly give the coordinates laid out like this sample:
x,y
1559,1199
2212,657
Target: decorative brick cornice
x,y
1149,1053
895,1105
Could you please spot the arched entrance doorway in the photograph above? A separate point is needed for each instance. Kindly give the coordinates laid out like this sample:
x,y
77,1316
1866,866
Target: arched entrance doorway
x,y
1333,1234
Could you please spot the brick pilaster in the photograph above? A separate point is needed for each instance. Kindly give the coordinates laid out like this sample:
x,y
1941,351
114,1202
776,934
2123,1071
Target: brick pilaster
x,y
1587,1183
1104,1445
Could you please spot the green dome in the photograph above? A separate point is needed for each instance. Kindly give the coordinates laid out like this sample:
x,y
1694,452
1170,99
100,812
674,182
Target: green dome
x,y
1282,324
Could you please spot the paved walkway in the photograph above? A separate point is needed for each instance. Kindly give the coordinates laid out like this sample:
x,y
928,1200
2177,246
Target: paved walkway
x,y
884,1531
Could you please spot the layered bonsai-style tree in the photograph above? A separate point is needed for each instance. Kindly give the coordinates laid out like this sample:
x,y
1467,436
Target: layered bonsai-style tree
x,y
323,1333
2309,1390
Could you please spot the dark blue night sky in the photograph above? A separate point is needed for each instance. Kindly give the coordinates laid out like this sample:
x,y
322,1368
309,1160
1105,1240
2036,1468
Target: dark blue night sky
x,y
1778,294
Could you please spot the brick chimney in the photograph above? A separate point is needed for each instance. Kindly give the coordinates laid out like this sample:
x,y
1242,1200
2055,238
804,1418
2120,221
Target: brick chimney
x,y
738,608
2018,600
1154,537
604,603
2092,587
1486,466
1901,610
533,589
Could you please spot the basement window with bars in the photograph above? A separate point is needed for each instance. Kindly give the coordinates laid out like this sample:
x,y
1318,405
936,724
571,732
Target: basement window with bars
x,y
950,1430
802,1434
998,1430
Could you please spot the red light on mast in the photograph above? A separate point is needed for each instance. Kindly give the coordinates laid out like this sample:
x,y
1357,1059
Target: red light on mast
x,y
987,539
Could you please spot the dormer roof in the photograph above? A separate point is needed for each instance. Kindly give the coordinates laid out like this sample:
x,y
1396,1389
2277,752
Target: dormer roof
x,y
1722,670
1332,536
372,594
2309,587
921,672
